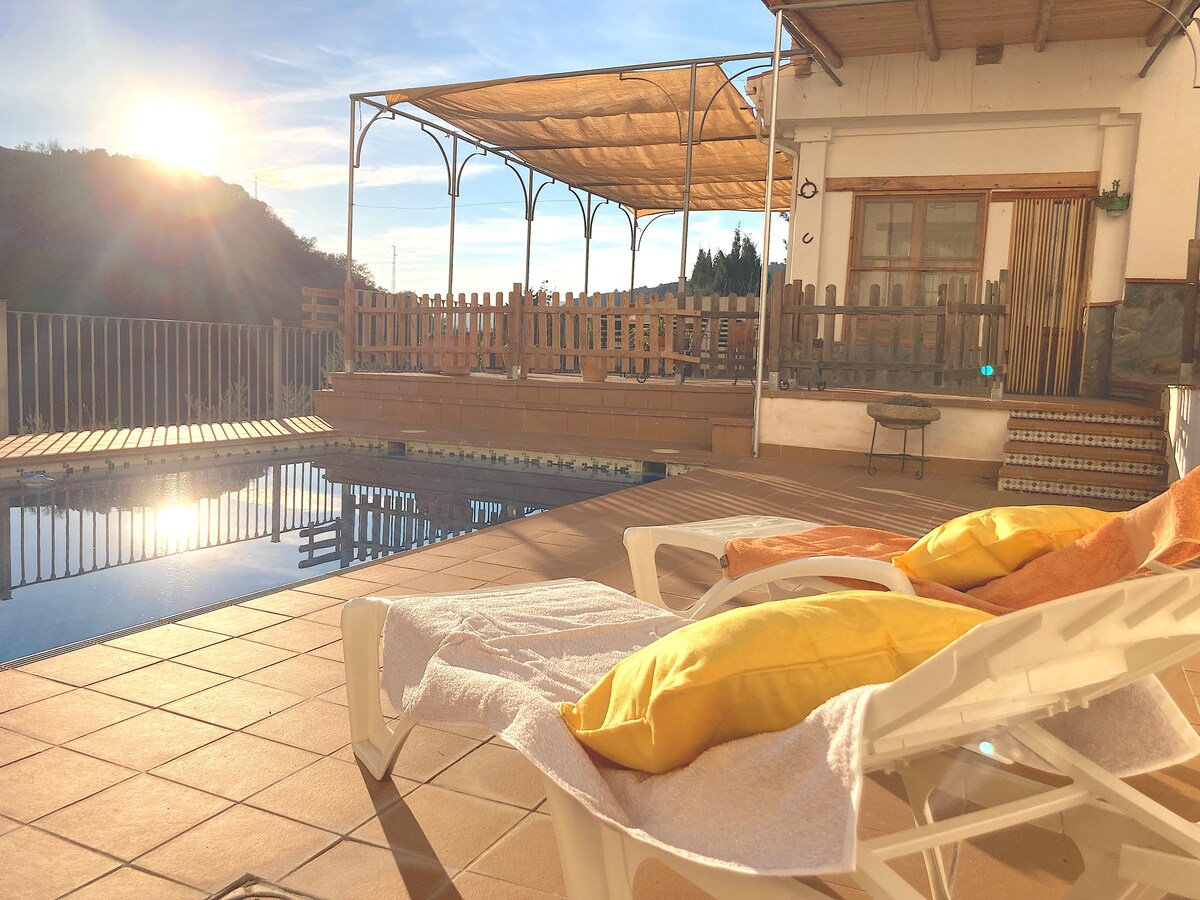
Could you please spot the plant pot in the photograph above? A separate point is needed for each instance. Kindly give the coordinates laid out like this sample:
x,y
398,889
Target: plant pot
x,y
593,368
894,415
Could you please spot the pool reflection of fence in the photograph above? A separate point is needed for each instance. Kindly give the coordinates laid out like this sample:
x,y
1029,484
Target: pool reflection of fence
x,y
340,515
78,529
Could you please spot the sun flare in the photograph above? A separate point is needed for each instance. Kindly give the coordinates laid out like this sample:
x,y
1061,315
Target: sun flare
x,y
177,134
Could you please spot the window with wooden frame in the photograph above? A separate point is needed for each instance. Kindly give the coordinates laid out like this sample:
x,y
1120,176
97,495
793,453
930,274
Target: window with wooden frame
x,y
916,250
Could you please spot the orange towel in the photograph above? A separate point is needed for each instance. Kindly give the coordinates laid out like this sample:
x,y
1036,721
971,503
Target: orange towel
x,y
1165,529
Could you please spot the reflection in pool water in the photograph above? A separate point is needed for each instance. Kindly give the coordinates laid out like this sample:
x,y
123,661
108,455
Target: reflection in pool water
x,y
89,558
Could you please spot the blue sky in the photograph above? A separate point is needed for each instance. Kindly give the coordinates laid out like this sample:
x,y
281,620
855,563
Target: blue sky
x,y
272,79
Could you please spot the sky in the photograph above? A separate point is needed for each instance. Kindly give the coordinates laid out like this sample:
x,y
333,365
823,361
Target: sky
x,y
256,92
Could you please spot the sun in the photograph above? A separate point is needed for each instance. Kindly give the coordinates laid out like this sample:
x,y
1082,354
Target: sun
x,y
176,133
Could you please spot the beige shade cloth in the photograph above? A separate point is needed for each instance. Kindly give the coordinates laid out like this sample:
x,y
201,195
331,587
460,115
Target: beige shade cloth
x,y
622,135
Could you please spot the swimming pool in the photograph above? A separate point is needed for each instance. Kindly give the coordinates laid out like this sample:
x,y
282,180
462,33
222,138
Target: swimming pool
x,y
88,558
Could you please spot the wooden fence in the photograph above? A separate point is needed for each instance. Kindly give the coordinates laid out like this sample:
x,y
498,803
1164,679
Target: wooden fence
x,y
888,345
704,336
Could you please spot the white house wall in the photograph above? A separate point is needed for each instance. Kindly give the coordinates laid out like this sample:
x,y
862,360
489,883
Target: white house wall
x,y
1075,107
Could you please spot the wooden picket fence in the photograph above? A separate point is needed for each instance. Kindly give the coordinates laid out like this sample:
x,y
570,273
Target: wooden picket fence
x,y
702,336
889,345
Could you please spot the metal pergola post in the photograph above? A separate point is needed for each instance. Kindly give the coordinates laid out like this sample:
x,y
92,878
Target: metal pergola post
x,y
687,183
768,205
348,323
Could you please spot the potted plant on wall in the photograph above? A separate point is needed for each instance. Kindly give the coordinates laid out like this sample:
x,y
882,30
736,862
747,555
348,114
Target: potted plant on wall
x,y
1112,200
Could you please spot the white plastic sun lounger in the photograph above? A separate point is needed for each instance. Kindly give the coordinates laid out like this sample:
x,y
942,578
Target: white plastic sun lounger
x,y
994,684
800,575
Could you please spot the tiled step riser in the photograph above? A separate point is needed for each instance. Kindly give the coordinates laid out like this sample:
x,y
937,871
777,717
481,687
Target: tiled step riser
x,y
1075,489
1095,418
1083,440
1078,464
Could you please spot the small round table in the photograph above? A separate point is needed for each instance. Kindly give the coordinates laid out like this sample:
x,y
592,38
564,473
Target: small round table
x,y
896,417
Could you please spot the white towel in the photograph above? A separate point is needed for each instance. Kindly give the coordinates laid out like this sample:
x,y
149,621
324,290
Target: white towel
x,y
782,803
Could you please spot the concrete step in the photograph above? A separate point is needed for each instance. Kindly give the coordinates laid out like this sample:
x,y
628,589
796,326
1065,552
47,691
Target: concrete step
x,y
1091,459
1082,436
1074,483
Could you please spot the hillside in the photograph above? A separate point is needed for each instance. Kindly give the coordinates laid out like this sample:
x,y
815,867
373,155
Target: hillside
x,y
85,232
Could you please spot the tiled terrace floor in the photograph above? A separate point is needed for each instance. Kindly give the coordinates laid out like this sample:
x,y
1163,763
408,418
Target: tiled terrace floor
x,y
170,762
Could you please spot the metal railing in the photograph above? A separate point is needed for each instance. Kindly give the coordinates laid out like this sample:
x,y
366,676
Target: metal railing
x,y
66,372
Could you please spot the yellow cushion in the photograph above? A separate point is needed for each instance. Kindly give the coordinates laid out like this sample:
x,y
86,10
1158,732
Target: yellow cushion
x,y
975,548
763,668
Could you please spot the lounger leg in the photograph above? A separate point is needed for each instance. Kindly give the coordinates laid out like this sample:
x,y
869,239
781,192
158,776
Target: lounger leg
x,y
593,861
376,744
641,547
918,788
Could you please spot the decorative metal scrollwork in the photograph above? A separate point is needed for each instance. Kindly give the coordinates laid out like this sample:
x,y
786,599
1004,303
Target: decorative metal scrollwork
x,y
808,238
808,190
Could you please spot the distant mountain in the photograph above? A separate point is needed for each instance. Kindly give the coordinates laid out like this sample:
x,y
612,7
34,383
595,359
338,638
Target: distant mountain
x,y
86,232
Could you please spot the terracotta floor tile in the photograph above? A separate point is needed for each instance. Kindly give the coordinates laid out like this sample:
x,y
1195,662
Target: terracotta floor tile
x,y
130,884
441,825
299,635
428,751
236,766
354,871
332,794
334,651
290,603
40,784
40,866
147,740
376,574
441,582
304,674
330,615
495,773
132,817
237,841
234,657
420,561
166,641
527,855
63,717
89,664
314,725
158,684
234,621
657,881
14,746
235,704
7,824
482,571
17,688
339,587
469,886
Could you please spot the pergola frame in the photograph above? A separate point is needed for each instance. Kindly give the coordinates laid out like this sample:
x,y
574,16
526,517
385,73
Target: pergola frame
x,y
440,134
788,15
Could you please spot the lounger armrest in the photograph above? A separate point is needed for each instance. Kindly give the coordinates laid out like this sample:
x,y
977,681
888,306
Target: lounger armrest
x,y
814,568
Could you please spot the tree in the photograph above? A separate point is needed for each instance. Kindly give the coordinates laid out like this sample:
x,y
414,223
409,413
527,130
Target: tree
x,y
737,272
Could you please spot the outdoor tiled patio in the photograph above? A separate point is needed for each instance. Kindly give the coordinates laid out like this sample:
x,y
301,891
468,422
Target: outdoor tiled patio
x,y
171,762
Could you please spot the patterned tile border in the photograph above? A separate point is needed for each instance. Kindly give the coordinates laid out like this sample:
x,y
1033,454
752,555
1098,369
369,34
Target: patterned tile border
x,y
1099,418
1114,441
1085,464
1074,489
601,468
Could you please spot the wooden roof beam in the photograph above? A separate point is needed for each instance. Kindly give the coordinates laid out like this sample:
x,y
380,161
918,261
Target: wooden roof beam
x,y
799,27
927,33
1165,23
1042,32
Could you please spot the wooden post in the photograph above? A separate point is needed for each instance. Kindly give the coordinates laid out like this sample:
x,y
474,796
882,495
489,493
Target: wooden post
x,y
349,326
774,321
4,422
516,331
1187,350
277,368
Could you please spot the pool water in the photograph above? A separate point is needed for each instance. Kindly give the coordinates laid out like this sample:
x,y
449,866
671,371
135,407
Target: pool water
x,y
89,558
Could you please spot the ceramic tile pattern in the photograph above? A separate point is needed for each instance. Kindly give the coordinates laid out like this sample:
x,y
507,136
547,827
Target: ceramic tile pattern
x,y
231,728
